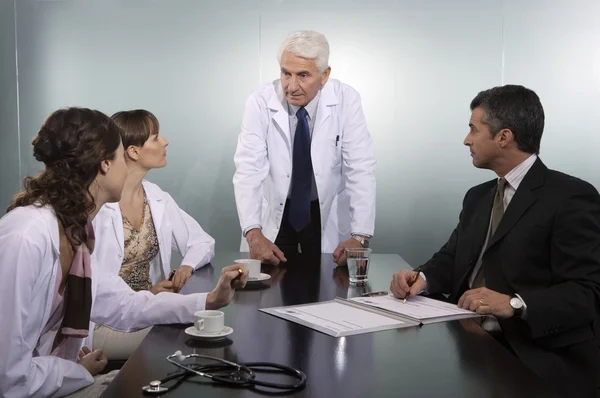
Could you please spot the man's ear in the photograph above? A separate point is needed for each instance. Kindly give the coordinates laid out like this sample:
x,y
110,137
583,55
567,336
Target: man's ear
x,y
325,75
506,137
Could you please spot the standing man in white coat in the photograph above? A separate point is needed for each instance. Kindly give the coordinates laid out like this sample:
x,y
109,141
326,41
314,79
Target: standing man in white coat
x,y
305,169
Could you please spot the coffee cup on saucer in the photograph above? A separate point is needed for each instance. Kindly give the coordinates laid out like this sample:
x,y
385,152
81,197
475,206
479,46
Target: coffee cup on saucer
x,y
253,267
209,321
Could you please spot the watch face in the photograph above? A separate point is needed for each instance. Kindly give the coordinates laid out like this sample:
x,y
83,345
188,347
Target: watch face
x,y
516,303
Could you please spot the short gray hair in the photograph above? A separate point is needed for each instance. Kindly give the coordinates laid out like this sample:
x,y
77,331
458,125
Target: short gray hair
x,y
307,44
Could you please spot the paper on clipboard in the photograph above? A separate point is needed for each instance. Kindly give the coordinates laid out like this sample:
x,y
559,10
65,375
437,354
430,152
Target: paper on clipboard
x,y
338,318
423,309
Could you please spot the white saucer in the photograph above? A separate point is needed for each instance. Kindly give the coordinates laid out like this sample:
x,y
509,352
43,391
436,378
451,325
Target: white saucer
x,y
262,277
192,331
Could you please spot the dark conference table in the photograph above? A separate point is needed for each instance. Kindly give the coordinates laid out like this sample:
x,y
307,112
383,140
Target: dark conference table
x,y
450,359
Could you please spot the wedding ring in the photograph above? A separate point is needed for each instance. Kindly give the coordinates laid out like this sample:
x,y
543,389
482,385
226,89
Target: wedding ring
x,y
481,302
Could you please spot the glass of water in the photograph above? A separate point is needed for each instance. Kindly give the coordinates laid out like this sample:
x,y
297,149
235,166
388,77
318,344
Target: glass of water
x,y
358,264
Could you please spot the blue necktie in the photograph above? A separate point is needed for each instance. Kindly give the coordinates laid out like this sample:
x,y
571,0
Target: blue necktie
x,y
301,174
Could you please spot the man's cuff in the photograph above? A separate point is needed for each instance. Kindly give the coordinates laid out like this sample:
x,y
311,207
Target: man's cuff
x,y
361,234
253,226
424,290
524,306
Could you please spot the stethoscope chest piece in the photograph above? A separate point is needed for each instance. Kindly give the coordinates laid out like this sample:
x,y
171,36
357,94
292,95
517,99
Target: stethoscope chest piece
x,y
155,387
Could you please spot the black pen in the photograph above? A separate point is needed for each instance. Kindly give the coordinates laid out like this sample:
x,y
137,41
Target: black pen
x,y
410,283
337,139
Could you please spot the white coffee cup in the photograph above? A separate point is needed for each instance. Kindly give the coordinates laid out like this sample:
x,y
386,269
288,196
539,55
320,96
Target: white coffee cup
x,y
210,322
253,267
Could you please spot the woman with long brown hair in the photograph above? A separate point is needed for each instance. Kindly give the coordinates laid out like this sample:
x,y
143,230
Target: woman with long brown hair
x,y
49,288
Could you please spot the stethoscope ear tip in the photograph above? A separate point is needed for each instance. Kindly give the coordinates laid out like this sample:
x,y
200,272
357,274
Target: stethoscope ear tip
x,y
179,355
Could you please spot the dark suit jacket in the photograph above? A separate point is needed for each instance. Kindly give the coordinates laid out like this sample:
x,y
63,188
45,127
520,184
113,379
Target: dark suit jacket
x,y
546,249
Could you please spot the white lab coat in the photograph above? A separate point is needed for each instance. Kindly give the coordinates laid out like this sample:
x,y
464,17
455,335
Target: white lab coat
x,y
342,158
175,229
29,261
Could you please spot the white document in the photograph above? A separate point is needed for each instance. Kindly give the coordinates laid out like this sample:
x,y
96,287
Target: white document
x,y
337,318
420,308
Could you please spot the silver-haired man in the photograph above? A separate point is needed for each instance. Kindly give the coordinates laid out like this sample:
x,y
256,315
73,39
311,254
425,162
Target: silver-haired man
x,y
305,168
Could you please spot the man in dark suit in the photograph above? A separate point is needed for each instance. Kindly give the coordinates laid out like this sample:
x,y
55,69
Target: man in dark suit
x,y
526,251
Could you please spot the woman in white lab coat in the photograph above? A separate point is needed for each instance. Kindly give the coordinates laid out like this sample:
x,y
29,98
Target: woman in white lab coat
x,y
137,234
49,289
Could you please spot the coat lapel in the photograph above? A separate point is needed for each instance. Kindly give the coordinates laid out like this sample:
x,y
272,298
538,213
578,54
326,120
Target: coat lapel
x,y
521,202
157,206
279,115
117,223
482,221
157,209
326,102
477,233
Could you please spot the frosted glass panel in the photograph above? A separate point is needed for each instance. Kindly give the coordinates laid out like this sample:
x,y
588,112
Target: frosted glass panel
x,y
554,49
447,52
192,63
9,144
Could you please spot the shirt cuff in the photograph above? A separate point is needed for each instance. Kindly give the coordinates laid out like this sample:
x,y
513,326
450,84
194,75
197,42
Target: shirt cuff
x,y
251,227
524,307
424,290
361,234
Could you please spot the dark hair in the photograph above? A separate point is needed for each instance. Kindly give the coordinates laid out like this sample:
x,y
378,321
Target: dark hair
x,y
515,108
71,143
136,125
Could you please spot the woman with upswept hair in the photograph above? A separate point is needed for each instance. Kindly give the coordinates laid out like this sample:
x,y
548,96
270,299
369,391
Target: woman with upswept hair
x,y
49,288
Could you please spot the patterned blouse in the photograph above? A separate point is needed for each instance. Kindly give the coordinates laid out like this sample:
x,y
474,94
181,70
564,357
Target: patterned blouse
x,y
141,247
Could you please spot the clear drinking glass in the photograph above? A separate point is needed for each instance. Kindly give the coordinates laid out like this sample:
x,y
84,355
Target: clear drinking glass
x,y
358,264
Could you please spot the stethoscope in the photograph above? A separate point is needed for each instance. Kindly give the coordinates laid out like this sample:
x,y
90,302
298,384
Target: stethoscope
x,y
225,372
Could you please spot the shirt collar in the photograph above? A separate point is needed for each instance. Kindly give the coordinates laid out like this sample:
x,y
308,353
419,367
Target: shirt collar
x,y
311,107
516,175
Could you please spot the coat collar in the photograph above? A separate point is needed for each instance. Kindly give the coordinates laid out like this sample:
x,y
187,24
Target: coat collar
x,y
278,106
157,209
151,196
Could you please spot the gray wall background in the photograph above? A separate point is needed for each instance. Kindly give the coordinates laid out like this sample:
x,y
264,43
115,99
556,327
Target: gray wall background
x,y
416,63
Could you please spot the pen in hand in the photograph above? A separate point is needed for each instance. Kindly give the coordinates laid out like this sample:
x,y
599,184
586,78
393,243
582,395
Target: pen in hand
x,y
410,283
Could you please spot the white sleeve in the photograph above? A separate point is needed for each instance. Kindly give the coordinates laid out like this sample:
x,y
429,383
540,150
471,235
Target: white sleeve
x,y
196,246
251,165
119,307
359,165
21,306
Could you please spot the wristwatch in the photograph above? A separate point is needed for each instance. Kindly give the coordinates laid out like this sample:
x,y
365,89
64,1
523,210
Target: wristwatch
x,y
517,305
363,240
